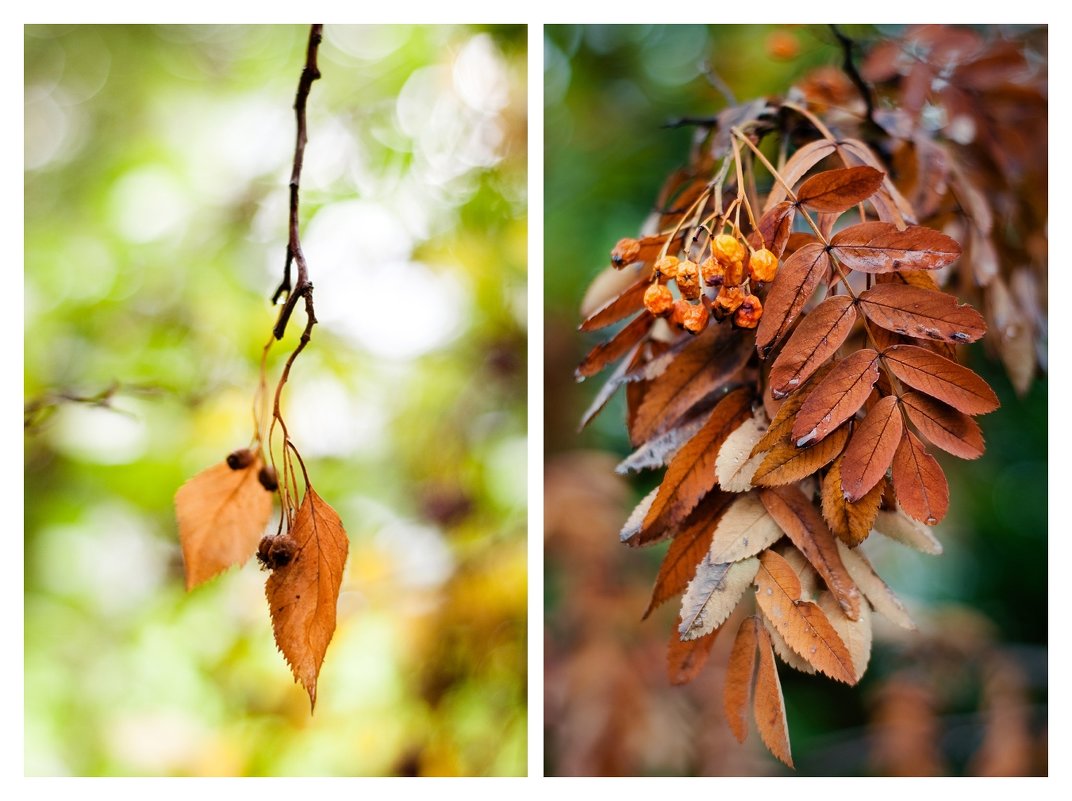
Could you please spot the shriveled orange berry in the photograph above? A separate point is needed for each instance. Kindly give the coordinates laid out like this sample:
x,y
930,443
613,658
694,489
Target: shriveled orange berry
x,y
734,274
696,319
658,300
763,265
667,266
729,298
679,312
747,316
625,252
727,249
688,279
713,273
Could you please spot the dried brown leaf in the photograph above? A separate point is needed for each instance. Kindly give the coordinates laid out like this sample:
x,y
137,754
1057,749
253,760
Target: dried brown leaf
x,y
800,520
686,658
941,378
744,530
774,229
303,594
874,588
837,397
619,307
879,247
919,482
802,623
898,526
782,650
946,428
792,286
1015,330
635,521
739,674
658,451
606,392
781,427
871,448
815,340
850,521
768,704
856,634
921,313
616,347
713,594
797,167
221,514
735,465
839,190
787,464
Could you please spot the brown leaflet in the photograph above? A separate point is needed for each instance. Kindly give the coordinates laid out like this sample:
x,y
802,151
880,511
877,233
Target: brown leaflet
x,y
700,370
686,658
856,634
782,650
658,451
1015,334
921,313
221,514
739,672
889,203
815,340
691,473
839,190
874,588
898,526
801,521
606,392
796,168
744,530
792,286
613,349
946,428
919,482
837,397
878,247
713,594
781,426
629,301
802,623
302,595
920,279
768,703
688,548
850,521
787,464
941,378
870,450
774,228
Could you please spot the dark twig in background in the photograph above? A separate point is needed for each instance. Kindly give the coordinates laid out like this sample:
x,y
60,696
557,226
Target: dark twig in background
x,y
849,66
36,411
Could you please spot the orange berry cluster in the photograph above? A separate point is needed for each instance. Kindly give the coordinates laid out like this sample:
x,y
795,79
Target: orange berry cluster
x,y
725,272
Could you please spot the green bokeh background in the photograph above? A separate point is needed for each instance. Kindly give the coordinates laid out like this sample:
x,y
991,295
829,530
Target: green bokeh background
x,y
156,165
610,90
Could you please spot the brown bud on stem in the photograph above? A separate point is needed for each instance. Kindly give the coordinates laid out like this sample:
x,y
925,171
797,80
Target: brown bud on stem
x,y
268,478
237,460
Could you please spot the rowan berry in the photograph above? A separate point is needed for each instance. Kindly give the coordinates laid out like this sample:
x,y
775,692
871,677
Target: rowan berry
x,y
688,279
734,274
625,252
268,478
763,265
667,266
729,298
727,248
678,312
713,273
696,319
658,300
747,316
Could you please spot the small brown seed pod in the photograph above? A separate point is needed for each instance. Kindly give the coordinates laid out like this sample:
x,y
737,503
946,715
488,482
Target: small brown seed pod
x,y
237,460
268,478
276,552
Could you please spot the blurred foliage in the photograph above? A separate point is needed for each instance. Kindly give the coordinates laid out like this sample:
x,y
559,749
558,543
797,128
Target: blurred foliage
x,y
610,92
156,168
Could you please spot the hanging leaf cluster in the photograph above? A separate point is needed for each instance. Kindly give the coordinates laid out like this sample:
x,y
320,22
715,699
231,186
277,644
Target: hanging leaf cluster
x,y
788,346
223,511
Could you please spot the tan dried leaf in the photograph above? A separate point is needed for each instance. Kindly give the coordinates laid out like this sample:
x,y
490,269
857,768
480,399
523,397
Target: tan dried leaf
x,y
781,427
618,307
635,521
856,634
898,526
713,594
221,514
768,704
744,530
876,590
788,656
303,595
616,347
686,658
735,465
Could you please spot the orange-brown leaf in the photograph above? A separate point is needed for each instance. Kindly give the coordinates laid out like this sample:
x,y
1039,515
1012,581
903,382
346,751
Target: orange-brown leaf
x,y
691,473
802,623
921,313
941,378
787,464
739,672
768,704
303,594
946,428
629,301
879,247
838,190
774,228
222,514
792,286
870,450
686,658
781,427
919,482
616,347
801,521
850,521
815,340
797,167
837,397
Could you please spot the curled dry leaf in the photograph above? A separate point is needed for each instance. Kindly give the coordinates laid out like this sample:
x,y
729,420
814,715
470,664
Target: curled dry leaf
x,y
837,397
658,451
898,526
815,340
795,282
800,520
781,426
744,530
713,594
739,674
221,513
850,521
877,592
921,313
768,703
802,623
919,481
735,465
946,428
303,595
879,247
839,190
870,450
